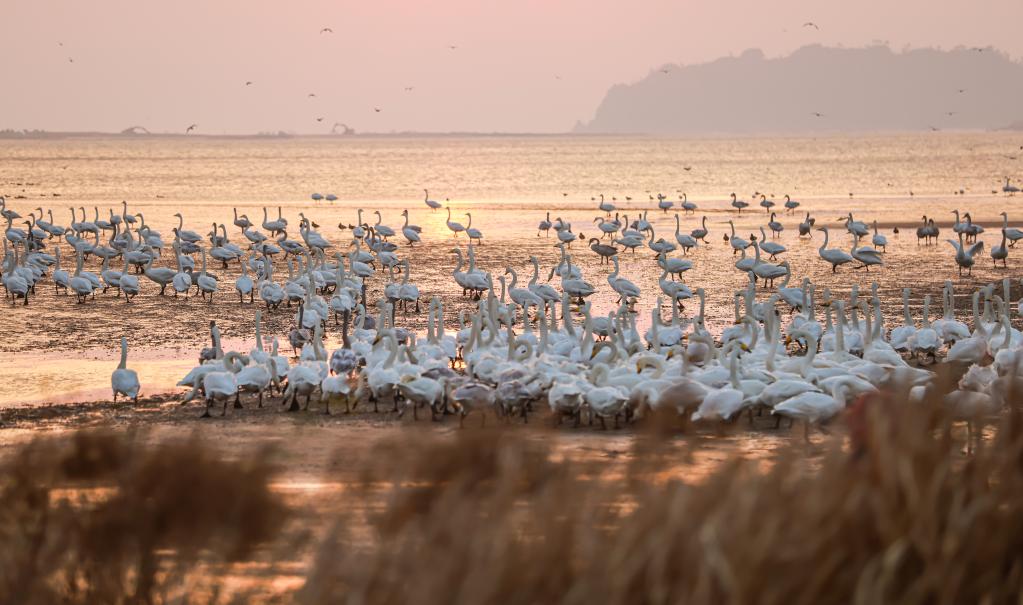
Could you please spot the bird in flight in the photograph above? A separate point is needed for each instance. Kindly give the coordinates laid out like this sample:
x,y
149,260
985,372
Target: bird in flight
x,y
312,94
962,90
409,88
951,113
326,30
812,24
319,119
376,109
453,46
248,82
818,114
70,60
191,128
934,128
687,168
60,44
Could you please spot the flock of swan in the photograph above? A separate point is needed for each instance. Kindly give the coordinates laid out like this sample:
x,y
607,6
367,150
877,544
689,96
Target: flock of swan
x,y
535,343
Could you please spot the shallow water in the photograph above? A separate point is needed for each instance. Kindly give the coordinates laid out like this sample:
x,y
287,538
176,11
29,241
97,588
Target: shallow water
x,y
56,350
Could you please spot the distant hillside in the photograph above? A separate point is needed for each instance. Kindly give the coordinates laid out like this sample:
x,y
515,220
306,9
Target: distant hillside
x,y
866,89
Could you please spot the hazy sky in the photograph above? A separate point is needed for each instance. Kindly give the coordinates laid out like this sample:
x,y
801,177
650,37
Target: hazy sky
x,y
519,65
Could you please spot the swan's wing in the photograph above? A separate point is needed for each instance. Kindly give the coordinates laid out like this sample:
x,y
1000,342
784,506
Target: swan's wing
x,y
976,248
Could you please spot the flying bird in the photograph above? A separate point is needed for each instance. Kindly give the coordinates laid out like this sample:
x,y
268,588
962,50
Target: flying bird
x,y
248,82
326,30
812,24
687,168
818,114
962,90
453,46
319,119
934,128
409,88
70,60
312,94
376,109
191,128
951,113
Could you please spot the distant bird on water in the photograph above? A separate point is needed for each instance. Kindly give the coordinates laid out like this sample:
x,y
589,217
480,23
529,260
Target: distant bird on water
x,y
191,128
812,24
326,30
665,70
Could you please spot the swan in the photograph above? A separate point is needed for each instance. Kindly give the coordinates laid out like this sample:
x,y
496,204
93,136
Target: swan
x,y
79,283
455,228
411,232
1011,233
433,205
1000,252
736,242
687,206
964,256
814,406
383,230
790,204
220,383
663,203
806,227
685,241
244,284
474,234
626,289
766,204
545,226
738,204
123,381
607,207
128,284
878,240
925,340
700,233
60,276
723,403
205,283
274,227
833,255
856,228
547,293
674,266
902,336
771,248
188,236
866,256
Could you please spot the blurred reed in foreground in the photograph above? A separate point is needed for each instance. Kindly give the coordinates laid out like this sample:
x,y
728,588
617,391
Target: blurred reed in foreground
x,y
892,510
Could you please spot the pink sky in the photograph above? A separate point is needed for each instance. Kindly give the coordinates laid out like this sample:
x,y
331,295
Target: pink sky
x,y
167,64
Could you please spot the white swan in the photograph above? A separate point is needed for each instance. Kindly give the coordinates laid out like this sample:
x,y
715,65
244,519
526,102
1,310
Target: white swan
x,y
123,381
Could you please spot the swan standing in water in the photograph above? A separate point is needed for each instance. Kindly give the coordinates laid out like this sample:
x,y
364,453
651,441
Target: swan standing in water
x,y
474,234
738,204
432,204
456,228
123,381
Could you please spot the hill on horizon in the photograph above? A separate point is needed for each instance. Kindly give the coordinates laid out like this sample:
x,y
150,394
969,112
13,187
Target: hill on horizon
x,y
854,89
